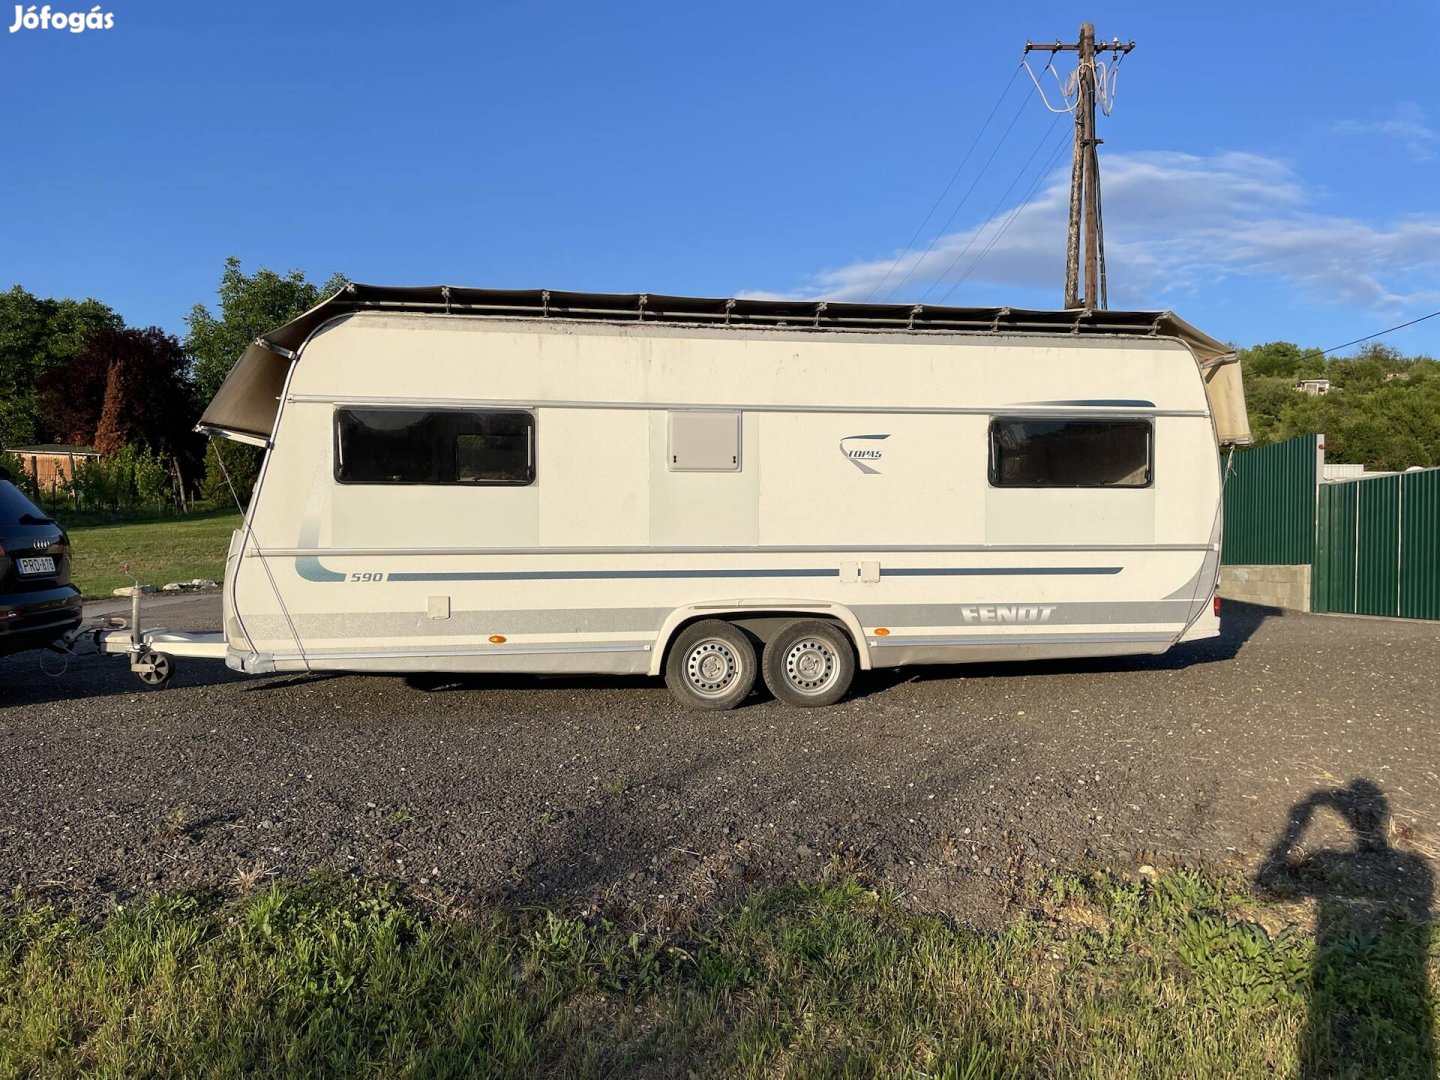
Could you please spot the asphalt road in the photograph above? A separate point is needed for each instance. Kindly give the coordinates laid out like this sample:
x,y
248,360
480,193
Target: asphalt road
x,y
948,784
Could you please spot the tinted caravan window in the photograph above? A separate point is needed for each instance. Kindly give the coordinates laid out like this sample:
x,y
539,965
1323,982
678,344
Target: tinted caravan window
x,y
1070,453
434,446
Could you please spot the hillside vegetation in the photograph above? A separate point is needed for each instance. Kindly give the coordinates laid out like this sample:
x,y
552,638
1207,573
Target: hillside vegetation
x,y
1382,411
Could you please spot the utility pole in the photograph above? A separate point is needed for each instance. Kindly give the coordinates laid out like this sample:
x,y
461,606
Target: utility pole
x,y
1085,171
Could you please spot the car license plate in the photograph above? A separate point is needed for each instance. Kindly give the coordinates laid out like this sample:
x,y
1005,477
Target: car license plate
x,y
43,565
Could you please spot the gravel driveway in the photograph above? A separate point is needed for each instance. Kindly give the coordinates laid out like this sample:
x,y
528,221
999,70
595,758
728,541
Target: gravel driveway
x,y
947,783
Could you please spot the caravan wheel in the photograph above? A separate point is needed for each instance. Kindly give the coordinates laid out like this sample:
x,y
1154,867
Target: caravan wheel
x,y
809,663
711,666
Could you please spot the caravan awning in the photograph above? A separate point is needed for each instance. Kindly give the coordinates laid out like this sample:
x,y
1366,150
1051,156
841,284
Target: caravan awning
x,y
248,401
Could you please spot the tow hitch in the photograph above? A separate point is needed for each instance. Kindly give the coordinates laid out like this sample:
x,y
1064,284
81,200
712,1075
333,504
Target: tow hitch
x,y
152,653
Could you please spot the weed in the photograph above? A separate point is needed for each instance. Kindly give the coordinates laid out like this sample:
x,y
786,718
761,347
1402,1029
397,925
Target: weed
x,y
176,825
246,878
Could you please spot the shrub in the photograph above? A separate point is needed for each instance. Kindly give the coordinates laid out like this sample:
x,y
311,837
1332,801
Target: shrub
x,y
132,478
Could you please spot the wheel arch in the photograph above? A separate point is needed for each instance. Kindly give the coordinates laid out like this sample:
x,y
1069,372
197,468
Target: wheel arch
x,y
756,617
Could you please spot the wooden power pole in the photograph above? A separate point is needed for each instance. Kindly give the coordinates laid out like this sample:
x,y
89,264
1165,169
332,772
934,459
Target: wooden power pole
x,y
1085,172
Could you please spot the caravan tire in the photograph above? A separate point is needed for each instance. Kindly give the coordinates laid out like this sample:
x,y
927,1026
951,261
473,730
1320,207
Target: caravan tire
x,y
809,663
711,665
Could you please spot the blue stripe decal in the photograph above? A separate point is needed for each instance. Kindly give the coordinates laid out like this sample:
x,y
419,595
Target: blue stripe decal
x,y
612,575
995,571
1114,403
578,575
311,569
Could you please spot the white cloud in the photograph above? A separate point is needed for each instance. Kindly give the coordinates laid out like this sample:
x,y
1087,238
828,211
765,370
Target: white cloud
x,y
1175,222
1407,125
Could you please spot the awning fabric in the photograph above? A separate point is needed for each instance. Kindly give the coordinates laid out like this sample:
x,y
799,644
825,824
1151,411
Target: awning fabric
x,y
248,401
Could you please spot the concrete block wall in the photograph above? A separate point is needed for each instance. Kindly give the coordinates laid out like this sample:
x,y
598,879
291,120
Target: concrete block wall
x,y
1273,586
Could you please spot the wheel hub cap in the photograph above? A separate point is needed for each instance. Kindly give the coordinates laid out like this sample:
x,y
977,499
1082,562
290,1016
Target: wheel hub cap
x,y
810,666
712,668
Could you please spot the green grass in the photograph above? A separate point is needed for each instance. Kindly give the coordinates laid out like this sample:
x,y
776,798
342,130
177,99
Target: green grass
x,y
160,551
1102,978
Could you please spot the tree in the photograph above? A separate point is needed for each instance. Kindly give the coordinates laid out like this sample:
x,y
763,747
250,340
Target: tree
x,y
250,305
72,395
38,335
149,398
1280,359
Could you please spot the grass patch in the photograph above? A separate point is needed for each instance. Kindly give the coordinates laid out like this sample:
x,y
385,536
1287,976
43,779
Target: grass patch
x,y
159,551
1104,978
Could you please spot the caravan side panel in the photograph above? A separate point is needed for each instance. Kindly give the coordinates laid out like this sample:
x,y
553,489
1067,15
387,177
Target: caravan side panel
x,y
862,488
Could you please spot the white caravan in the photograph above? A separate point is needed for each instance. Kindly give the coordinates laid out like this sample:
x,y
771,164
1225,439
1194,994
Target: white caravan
x,y
479,481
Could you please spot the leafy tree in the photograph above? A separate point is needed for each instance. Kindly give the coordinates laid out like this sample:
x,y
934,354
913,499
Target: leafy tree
x,y
1266,399
38,335
12,468
229,465
149,398
250,305
71,396
1280,359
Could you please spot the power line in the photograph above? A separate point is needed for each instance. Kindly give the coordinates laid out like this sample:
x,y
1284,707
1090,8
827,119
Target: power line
x,y
978,176
1367,337
951,183
991,217
1045,171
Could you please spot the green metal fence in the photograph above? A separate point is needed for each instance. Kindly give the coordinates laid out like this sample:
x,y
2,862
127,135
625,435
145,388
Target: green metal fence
x,y
1373,543
1270,504
1378,546
1420,545
1332,578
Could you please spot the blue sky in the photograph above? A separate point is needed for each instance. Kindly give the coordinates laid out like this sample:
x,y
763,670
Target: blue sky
x,y
1270,170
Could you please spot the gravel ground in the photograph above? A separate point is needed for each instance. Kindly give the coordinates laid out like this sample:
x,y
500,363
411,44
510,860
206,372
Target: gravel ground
x,y
949,784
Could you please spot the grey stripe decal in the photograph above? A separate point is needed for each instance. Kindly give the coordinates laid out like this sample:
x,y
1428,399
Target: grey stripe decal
x,y
1082,614
1017,639
489,650
416,624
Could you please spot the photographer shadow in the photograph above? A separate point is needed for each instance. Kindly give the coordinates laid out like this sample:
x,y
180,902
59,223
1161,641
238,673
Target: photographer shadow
x,y
1371,1005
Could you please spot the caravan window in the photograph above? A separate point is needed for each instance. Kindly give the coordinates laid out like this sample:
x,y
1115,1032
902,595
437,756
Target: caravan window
x,y
1070,453
434,446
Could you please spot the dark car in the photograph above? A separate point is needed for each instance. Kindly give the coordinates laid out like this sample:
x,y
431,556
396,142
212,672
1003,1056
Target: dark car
x,y
38,605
